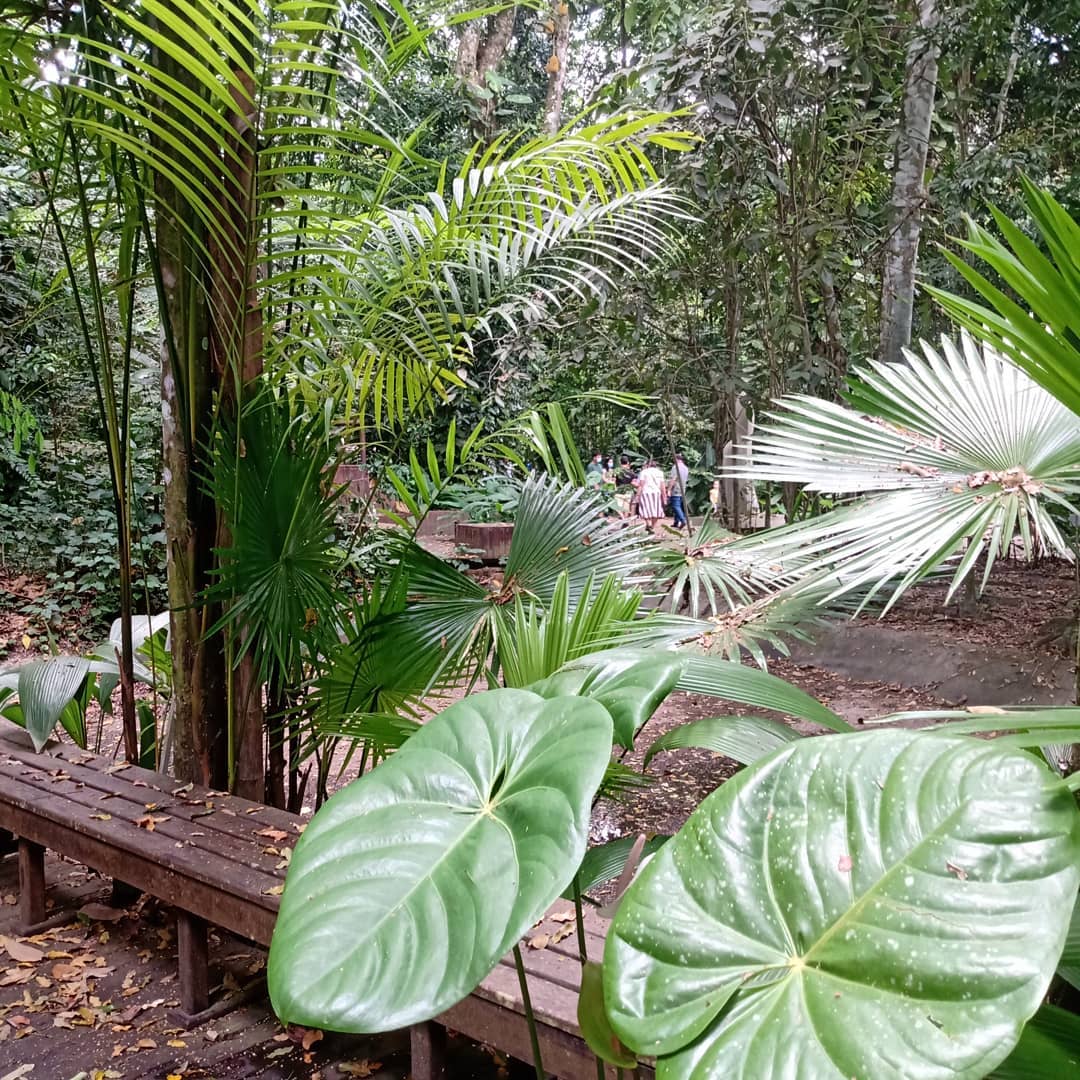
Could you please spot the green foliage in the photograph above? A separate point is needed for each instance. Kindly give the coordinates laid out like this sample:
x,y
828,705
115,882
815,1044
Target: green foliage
x,y
491,498
532,643
745,739
1041,334
63,525
963,452
273,481
41,694
407,887
847,885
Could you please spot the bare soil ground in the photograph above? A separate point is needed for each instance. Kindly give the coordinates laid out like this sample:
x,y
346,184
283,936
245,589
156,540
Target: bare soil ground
x,y
91,999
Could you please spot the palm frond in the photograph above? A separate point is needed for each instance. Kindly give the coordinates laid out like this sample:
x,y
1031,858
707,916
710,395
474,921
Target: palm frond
x,y
535,642
1041,333
755,628
278,573
715,571
258,116
561,528
966,456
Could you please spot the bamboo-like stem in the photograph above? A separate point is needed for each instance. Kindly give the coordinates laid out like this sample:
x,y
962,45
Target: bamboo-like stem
x,y
534,1038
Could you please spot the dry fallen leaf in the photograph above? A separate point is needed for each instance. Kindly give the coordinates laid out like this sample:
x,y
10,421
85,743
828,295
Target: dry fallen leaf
x,y
363,1068
178,1044
274,890
101,913
16,977
311,1037
21,954
541,941
277,835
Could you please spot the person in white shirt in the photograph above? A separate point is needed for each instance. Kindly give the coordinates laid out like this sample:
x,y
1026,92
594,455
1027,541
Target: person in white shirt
x,y
652,493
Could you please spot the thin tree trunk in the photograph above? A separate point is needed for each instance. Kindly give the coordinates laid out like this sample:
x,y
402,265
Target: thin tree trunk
x,y
559,24
1010,74
908,196
198,681
236,347
834,334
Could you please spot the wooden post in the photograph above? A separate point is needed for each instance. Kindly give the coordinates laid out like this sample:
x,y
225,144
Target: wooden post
x,y
31,883
428,1046
192,956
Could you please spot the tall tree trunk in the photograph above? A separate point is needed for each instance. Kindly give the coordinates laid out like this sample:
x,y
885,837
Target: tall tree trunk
x,y
908,195
559,28
187,383
480,51
236,349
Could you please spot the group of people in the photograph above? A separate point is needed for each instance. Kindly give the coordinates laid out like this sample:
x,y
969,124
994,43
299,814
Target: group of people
x,y
643,494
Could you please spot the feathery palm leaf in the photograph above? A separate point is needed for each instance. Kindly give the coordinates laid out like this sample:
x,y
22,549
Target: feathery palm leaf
x,y
966,453
352,272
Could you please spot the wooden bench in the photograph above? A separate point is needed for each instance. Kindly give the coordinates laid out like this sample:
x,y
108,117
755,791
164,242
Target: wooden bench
x,y
218,860
210,855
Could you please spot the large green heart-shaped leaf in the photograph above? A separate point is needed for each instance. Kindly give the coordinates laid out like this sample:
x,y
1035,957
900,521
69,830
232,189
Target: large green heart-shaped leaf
x,y
410,884
882,905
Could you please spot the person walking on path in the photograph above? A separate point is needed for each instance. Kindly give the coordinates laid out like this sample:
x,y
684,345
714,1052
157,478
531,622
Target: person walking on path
x,y
680,474
625,482
652,492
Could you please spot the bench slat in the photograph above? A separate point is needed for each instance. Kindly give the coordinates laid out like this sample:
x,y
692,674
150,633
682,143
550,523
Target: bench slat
x,y
81,805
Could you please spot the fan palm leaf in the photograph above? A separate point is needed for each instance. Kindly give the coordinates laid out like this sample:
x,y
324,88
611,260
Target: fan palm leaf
x,y
715,571
965,456
278,574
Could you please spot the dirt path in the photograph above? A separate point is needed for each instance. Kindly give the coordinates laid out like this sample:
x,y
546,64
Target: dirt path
x,y
94,1000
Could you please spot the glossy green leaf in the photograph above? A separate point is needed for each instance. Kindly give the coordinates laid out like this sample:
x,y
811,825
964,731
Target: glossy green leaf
x,y
593,1021
1049,1048
631,684
743,738
1069,963
46,688
410,884
882,905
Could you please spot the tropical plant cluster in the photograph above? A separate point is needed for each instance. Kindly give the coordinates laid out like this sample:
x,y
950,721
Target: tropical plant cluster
x,y
325,234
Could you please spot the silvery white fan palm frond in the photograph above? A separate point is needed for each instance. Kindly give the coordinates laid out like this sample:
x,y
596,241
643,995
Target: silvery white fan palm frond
x,y
958,453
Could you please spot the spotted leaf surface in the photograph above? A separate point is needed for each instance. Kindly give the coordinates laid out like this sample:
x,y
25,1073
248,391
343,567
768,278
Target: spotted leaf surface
x,y
881,905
